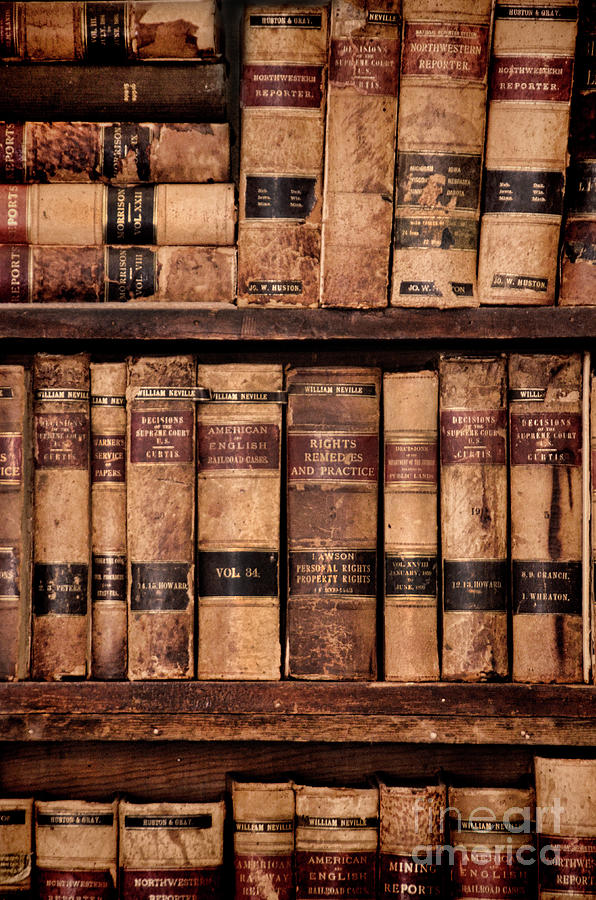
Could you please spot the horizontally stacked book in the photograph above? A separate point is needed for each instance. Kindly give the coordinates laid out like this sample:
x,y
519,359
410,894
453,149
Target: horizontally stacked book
x,y
293,841
107,465
137,209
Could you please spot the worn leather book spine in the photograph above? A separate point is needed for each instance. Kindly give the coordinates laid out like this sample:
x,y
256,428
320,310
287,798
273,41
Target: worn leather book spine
x,y
492,836
161,516
592,512
578,251
75,214
15,523
566,800
16,849
281,156
337,836
108,33
526,151
360,152
333,459
545,425
440,143
473,408
117,274
410,412
76,845
113,152
263,840
103,93
171,847
238,500
410,837
61,517
108,521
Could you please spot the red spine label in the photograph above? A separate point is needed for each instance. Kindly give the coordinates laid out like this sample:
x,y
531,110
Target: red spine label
x,y
297,87
263,876
175,884
54,884
473,437
12,169
250,446
480,873
567,865
369,65
108,459
162,436
400,876
447,49
333,457
332,874
14,273
8,30
535,78
547,439
62,440
13,214
411,462
11,458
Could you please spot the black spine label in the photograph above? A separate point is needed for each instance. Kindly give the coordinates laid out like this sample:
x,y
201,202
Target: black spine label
x,y
12,817
53,820
287,20
330,572
411,577
438,180
580,192
201,821
283,197
9,573
274,287
130,273
547,587
106,32
160,586
475,585
60,589
108,581
539,193
238,573
535,11
119,141
519,282
440,231
130,215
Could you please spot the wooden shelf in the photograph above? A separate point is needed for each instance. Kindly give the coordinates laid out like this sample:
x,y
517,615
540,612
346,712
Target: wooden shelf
x,y
299,711
172,322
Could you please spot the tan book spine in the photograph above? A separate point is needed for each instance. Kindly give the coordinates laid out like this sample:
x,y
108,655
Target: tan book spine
x,y
333,459
592,564
16,849
172,846
117,274
566,826
474,517
492,843
545,424
108,521
337,835
410,413
76,844
440,144
281,155
360,152
160,516
263,840
526,151
87,214
15,524
410,839
238,500
61,517
118,152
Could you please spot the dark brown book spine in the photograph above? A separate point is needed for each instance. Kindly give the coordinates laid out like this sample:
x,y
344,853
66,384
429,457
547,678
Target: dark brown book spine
x,y
333,459
61,520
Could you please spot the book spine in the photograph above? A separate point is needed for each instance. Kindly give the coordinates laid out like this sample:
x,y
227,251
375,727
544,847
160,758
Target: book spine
x,y
61,517
333,458
263,840
440,143
410,404
592,511
124,93
76,849
566,797
116,274
578,251
106,33
108,521
410,837
360,152
526,147
175,846
545,425
15,527
160,516
121,153
16,853
474,517
73,214
336,841
238,454
281,157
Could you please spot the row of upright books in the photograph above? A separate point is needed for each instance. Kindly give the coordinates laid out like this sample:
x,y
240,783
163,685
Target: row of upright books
x,y
294,841
110,464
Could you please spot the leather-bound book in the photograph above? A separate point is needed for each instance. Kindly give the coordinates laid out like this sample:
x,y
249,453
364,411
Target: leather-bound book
x,y
16,849
61,517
